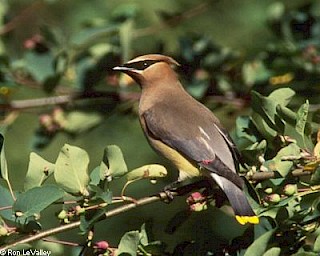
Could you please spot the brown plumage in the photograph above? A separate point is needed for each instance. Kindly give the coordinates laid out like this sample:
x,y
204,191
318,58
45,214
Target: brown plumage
x,y
185,131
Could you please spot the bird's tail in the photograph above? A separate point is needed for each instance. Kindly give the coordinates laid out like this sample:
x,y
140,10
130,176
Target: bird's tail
x,y
236,197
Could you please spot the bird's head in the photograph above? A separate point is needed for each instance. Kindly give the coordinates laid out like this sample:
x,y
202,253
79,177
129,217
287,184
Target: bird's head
x,y
148,69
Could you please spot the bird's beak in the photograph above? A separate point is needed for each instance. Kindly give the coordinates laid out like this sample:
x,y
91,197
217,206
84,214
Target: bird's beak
x,y
122,68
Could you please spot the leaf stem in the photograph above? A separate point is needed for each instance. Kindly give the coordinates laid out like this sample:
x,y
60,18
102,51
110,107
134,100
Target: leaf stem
x,y
11,190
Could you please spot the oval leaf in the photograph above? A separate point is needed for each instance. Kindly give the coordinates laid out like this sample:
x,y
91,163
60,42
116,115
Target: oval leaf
x,y
41,66
39,170
6,200
302,116
316,246
274,251
150,171
282,96
71,171
259,246
36,199
129,244
278,164
113,163
265,107
3,161
79,121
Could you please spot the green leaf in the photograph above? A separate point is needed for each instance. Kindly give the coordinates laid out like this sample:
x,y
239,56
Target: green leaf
x,y
113,164
316,245
282,96
78,121
276,11
259,246
99,50
129,244
255,72
274,251
41,66
85,37
36,199
304,141
155,248
106,196
265,110
125,11
198,88
287,114
143,235
271,212
315,177
39,170
150,171
265,107
265,130
296,126
3,161
305,254
254,150
95,176
308,201
244,132
278,164
71,171
88,221
6,200
258,146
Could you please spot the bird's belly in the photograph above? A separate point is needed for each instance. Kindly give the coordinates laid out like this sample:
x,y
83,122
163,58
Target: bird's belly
x,y
186,167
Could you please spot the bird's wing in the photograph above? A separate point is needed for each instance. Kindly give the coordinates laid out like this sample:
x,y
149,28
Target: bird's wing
x,y
198,139
235,152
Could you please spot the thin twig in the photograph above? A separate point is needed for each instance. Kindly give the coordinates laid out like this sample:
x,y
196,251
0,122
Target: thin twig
x,y
20,18
50,240
6,208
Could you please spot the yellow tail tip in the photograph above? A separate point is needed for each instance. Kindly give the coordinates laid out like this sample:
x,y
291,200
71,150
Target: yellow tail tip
x,y
247,219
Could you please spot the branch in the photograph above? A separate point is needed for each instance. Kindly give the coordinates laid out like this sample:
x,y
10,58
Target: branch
x,y
162,196
260,176
66,99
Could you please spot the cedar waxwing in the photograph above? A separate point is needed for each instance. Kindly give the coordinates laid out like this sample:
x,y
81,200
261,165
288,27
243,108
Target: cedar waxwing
x,y
185,131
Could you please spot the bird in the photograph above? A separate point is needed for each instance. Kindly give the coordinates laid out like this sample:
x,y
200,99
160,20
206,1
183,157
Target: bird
x,y
185,131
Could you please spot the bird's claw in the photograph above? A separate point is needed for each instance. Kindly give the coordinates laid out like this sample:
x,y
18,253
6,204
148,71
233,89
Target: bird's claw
x,y
169,196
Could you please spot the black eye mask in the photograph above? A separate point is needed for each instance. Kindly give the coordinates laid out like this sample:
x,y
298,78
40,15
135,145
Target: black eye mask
x,y
140,65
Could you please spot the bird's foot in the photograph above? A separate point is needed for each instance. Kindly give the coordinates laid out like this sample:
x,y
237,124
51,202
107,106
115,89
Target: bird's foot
x,y
169,191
